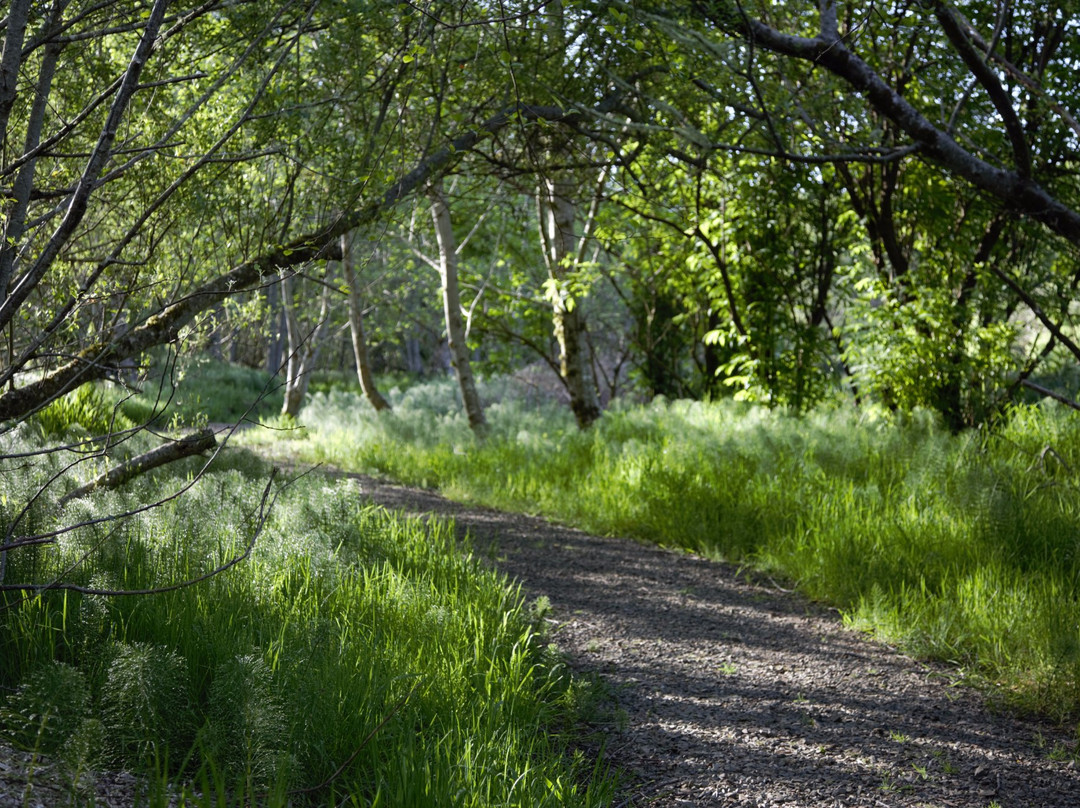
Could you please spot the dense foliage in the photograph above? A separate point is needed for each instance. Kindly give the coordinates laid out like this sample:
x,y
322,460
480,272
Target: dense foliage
x,y
783,204
961,548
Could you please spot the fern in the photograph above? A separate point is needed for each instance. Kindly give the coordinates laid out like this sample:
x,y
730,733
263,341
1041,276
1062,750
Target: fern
x,y
250,731
48,707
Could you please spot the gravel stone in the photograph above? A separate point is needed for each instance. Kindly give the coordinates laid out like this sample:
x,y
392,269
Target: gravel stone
x,y
725,691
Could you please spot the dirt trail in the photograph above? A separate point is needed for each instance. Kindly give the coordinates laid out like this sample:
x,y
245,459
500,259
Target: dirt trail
x,y
736,694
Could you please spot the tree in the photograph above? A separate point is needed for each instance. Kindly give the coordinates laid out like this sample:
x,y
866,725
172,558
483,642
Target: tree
x,y
304,343
446,265
356,329
563,251
171,157
1008,134
294,226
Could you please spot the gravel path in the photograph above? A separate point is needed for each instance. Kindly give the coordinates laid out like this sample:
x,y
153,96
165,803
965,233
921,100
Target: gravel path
x,y
739,694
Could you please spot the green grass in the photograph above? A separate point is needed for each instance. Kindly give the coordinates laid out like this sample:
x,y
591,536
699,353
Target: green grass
x,y
960,548
198,390
351,636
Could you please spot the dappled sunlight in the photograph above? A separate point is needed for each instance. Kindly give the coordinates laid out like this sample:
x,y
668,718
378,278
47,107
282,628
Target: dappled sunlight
x,y
938,542
351,620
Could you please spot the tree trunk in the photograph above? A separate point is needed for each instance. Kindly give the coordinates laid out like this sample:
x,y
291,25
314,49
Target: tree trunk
x,y
556,210
455,327
321,244
303,348
276,328
15,221
356,328
100,155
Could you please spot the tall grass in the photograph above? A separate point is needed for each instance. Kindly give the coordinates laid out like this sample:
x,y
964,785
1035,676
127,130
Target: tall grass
x,y
352,637
960,548
195,390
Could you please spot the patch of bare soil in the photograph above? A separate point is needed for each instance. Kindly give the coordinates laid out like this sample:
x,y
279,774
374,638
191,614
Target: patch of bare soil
x,y
29,781
739,694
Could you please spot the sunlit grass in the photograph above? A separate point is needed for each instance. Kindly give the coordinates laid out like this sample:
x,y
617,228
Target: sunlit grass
x,y
960,548
195,390
351,638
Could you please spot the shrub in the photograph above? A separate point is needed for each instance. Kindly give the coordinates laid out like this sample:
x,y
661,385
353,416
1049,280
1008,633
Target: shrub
x,y
146,704
48,707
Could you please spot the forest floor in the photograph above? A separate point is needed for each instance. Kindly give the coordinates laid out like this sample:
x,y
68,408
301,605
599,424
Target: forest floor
x,y
720,688
726,690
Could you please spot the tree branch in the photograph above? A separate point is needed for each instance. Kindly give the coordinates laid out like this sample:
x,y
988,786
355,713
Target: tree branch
x,y
320,245
1038,388
954,30
87,182
265,506
1015,191
1036,309
195,443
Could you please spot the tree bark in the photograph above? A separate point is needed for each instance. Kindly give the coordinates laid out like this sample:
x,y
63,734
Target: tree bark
x,y
193,444
356,328
275,329
557,211
455,327
1014,188
99,157
318,245
11,60
15,223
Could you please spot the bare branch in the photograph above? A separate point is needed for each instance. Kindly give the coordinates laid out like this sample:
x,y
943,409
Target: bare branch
x,y
1038,388
1010,187
954,30
1037,310
265,506
102,151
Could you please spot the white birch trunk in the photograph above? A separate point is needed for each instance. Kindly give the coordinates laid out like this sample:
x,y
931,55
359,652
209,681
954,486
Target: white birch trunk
x,y
303,348
455,327
557,213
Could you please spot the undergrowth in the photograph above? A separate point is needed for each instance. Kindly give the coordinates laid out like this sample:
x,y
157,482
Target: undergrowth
x,y
195,390
358,657
960,548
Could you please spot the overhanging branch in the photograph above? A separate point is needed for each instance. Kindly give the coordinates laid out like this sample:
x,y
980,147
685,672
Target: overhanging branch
x,y
1014,190
196,443
320,245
